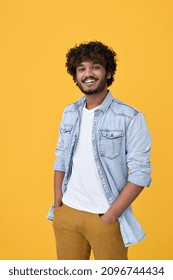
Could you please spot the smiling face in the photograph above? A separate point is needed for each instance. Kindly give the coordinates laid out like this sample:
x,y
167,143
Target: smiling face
x,y
91,77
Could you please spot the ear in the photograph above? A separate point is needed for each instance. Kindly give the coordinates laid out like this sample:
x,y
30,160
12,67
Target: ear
x,y
108,75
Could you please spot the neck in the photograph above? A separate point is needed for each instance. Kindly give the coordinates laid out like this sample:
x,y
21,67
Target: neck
x,y
95,100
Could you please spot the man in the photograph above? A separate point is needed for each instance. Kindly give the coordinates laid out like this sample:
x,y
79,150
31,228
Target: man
x,y
102,163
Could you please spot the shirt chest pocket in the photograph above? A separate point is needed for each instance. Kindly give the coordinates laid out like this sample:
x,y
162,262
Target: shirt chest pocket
x,y
110,142
66,131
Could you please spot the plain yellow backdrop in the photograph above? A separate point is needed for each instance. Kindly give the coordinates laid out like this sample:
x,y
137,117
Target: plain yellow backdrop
x,y
35,88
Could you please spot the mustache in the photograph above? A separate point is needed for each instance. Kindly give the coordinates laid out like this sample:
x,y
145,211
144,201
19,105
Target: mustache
x,y
90,77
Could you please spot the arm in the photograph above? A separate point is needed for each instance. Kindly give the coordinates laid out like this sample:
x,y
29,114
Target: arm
x,y
59,169
58,178
138,144
126,197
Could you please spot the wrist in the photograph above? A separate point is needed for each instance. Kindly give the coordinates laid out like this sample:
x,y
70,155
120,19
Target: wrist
x,y
109,217
57,204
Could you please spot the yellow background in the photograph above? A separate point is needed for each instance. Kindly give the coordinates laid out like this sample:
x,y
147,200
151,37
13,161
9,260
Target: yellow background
x,y
34,87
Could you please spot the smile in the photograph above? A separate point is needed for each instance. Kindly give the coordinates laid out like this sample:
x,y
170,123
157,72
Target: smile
x,y
89,81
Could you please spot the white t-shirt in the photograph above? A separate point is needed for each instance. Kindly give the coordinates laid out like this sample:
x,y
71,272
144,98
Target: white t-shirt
x,y
84,190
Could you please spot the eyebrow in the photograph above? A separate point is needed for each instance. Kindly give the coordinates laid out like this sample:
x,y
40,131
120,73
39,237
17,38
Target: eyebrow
x,y
78,65
81,64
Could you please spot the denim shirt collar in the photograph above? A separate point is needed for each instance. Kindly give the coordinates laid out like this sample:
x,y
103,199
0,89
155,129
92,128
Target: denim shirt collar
x,y
103,107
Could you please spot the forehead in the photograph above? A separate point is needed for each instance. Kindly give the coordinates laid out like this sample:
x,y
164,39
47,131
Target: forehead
x,y
88,63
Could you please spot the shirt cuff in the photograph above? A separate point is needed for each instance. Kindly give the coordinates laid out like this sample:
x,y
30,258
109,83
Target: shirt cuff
x,y
140,178
59,165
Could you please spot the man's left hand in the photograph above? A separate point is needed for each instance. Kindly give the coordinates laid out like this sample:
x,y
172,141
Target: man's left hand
x,y
108,219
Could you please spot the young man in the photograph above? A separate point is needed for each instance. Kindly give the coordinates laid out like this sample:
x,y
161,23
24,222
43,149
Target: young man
x,y
102,163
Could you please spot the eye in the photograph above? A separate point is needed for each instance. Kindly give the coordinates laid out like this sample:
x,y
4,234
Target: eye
x,y
80,69
96,67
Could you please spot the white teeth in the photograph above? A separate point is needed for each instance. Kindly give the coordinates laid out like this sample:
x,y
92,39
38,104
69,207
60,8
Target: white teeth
x,y
89,81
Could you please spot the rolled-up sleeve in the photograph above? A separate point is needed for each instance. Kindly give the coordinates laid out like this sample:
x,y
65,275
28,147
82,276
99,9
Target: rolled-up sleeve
x,y
59,164
138,145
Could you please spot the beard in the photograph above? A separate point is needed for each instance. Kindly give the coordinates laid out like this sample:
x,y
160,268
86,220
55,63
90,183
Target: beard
x,y
92,90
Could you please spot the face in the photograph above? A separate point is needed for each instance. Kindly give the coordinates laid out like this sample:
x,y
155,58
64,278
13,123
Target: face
x,y
91,77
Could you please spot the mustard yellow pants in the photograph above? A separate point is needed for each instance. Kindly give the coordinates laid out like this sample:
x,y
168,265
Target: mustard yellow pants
x,y
77,232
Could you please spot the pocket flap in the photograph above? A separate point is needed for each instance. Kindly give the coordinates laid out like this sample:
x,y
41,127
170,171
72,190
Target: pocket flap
x,y
67,128
112,133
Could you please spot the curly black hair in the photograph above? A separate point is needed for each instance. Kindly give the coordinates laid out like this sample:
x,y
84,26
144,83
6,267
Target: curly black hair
x,y
94,51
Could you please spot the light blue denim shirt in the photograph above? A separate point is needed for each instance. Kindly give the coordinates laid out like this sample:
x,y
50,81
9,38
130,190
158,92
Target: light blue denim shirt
x,y
121,146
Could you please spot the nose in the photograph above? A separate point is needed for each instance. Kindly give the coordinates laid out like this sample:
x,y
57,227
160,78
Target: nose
x,y
88,72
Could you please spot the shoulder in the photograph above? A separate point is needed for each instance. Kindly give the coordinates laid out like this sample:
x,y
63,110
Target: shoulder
x,y
121,108
73,106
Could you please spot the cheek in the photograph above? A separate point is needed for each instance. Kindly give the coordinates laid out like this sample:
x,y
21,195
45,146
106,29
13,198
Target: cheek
x,y
78,77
